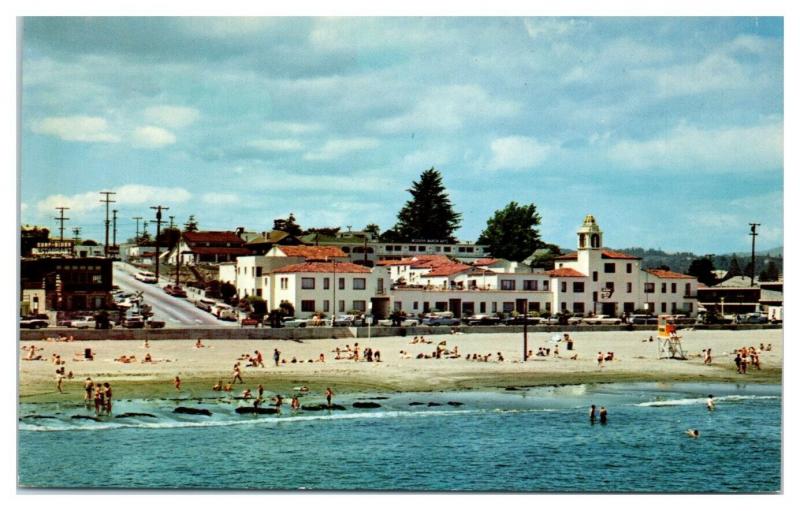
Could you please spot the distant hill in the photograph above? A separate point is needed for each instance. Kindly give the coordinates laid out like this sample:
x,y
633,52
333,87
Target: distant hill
x,y
772,252
680,261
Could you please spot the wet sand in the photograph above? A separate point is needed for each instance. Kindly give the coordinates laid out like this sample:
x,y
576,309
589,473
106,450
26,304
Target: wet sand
x,y
635,359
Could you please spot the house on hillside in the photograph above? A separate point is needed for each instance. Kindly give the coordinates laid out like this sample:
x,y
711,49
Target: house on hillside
x,y
207,247
262,244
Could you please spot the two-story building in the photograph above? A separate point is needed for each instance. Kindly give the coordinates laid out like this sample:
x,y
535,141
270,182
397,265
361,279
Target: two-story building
x,y
207,247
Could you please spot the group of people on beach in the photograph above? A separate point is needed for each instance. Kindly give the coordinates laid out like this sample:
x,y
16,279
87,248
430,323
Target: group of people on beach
x,y
355,354
741,359
593,414
604,357
99,394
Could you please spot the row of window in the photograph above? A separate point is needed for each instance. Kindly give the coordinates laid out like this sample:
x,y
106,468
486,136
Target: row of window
x,y
311,306
424,248
527,285
359,283
255,270
629,307
649,287
468,308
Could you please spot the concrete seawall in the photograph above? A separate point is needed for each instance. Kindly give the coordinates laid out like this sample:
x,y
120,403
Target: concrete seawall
x,y
124,334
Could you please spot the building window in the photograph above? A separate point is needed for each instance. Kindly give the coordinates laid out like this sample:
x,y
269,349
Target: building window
x,y
534,306
440,306
398,306
548,306
359,283
507,285
674,287
578,308
610,268
388,248
494,307
674,307
341,282
470,250
415,306
564,287
628,307
307,306
687,290
545,285
663,287
663,306
629,287
461,249
610,286
594,276
508,307
628,268
284,282
649,287
594,296
563,306
412,248
307,283
530,285
326,305
341,305
259,269
447,249
326,283
577,287
360,305
483,307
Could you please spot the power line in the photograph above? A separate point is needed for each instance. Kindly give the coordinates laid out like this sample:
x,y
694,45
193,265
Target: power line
x,y
107,200
61,219
137,218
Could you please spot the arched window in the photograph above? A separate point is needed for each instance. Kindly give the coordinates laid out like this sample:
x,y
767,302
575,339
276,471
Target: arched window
x,y
595,241
582,240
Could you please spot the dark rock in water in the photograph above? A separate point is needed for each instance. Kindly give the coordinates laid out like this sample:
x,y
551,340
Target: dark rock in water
x,y
254,410
191,411
86,417
415,403
455,403
34,416
378,398
366,404
512,388
320,407
338,407
133,414
434,404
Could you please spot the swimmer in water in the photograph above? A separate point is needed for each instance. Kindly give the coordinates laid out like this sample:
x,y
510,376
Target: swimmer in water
x,y
593,414
603,413
710,403
694,433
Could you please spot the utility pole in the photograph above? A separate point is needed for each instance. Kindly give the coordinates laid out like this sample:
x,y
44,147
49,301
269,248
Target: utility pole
x,y
158,209
137,218
114,231
77,232
107,200
172,221
61,219
753,233
525,333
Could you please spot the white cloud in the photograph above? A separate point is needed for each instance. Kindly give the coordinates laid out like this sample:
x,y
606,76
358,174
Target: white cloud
x,y
750,148
172,116
552,27
715,72
518,153
23,206
448,108
152,137
78,128
220,198
338,147
276,144
293,128
125,195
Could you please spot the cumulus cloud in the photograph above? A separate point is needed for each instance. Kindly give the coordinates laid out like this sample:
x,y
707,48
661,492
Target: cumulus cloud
x,y
172,116
293,128
338,147
276,144
220,198
78,128
448,108
517,153
748,148
152,137
133,194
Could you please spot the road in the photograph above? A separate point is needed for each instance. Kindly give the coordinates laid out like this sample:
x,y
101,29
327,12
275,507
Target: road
x,y
173,311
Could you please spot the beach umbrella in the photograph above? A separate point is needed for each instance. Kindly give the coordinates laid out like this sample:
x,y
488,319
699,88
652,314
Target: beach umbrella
x,y
555,338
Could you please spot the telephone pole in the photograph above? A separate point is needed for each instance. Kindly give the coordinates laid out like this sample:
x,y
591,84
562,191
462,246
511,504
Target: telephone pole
x,y
77,232
61,219
753,233
137,218
158,209
172,221
114,231
107,200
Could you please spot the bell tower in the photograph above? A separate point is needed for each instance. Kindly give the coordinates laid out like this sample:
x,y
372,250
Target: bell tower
x,y
590,237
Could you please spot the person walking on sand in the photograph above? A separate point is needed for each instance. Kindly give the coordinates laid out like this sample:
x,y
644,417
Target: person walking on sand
x,y
603,415
328,396
237,373
259,359
276,356
177,383
710,403
600,358
707,360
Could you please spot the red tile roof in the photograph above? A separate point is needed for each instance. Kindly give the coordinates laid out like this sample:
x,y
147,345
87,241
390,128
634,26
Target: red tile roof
x,y
666,274
212,237
447,270
606,254
486,261
237,251
396,262
431,261
320,267
565,272
311,251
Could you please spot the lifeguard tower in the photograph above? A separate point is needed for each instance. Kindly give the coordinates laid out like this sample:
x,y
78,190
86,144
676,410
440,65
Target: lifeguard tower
x,y
669,342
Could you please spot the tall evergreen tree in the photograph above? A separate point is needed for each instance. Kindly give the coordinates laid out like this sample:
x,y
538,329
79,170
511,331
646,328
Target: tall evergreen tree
x,y
703,269
287,225
734,270
429,214
190,225
511,232
770,273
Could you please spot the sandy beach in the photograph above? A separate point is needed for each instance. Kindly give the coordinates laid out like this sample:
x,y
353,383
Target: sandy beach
x,y
635,359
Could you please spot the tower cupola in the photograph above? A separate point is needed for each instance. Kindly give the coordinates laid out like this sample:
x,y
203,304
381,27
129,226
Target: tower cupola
x,y
590,237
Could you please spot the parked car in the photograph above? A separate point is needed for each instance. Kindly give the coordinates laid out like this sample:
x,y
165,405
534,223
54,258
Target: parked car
x,y
522,320
575,319
602,319
642,319
224,312
293,322
83,322
445,319
33,322
154,323
146,276
482,319
405,322
756,319
205,304
250,322
134,321
175,291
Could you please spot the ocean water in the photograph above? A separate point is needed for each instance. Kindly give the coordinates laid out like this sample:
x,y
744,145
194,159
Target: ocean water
x,y
529,440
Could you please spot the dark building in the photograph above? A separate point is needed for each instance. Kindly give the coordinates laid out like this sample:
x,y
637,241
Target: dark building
x,y
70,284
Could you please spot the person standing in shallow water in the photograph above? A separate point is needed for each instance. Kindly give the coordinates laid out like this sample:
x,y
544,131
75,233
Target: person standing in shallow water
x,y
592,414
710,403
603,415
328,396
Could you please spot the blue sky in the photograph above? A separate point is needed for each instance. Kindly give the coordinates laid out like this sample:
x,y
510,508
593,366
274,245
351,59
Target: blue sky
x,y
668,130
